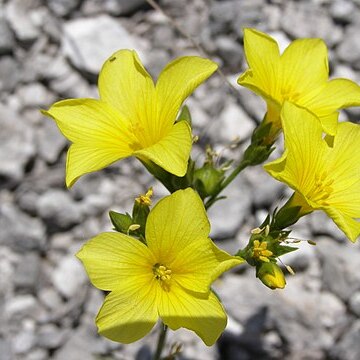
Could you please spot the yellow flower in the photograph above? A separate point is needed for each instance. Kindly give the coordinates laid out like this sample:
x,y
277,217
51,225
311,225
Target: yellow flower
x,y
133,116
323,171
170,277
299,75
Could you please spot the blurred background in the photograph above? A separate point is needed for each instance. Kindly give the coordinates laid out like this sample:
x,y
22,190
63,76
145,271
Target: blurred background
x,y
52,50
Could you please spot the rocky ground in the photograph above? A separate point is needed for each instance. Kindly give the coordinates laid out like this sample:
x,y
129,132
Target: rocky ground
x,y
51,50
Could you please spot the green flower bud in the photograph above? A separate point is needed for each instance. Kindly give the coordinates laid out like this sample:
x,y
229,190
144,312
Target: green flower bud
x,y
207,180
271,275
141,210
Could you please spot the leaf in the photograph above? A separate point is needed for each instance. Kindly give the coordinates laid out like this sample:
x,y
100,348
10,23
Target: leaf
x,y
121,222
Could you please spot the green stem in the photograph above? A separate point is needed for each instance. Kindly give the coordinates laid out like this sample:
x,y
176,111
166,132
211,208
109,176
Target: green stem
x,y
243,164
161,342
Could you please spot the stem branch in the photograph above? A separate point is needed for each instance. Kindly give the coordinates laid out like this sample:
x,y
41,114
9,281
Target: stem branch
x,y
243,164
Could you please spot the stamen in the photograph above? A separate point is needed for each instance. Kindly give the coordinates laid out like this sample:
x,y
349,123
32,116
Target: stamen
x,y
163,275
322,188
260,251
145,199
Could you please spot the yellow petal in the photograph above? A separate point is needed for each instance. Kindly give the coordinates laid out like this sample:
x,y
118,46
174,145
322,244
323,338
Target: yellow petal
x,y
100,133
327,99
126,85
199,264
344,168
173,151
175,222
329,123
114,260
82,159
305,68
347,224
128,315
334,95
263,57
202,314
177,81
304,149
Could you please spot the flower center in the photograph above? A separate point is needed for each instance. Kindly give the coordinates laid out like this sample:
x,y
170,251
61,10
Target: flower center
x,y
290,95
139,141
163,275
260,251
322,189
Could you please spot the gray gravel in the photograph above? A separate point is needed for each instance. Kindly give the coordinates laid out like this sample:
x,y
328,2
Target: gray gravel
x,y
51,50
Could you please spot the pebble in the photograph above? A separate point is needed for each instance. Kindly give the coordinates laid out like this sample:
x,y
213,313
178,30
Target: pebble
x,y
251,103
233,123
50,141
21,306
7,39
63,7
354,303
24,341
230,52
227,215
27,273
77,347
299,17
58,209
68,276
9,73
17,143
349,49
321,224
35,95
87,48
338,264
123,7
49,297
50,336
20,231
343,11
37,354
20,15
266,191
348,347
6,350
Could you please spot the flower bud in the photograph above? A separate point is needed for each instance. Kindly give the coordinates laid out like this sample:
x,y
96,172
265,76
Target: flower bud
x,y
141,210
207,179
271,275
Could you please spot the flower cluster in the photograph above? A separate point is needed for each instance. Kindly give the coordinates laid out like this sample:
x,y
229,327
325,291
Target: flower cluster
x,y
160,263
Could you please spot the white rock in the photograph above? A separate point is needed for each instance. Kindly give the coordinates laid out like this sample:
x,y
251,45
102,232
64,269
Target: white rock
x,y
227,215
17,144
234,122
69,276
50,141
89,42
20,16
35,95
58,209
20,306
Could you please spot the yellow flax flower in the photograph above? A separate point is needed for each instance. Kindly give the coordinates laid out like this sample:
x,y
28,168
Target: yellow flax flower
x,y
323,171
169,278
299,75
133,117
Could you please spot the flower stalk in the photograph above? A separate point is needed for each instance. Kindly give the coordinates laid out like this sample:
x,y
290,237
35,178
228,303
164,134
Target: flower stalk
x,y
161,342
